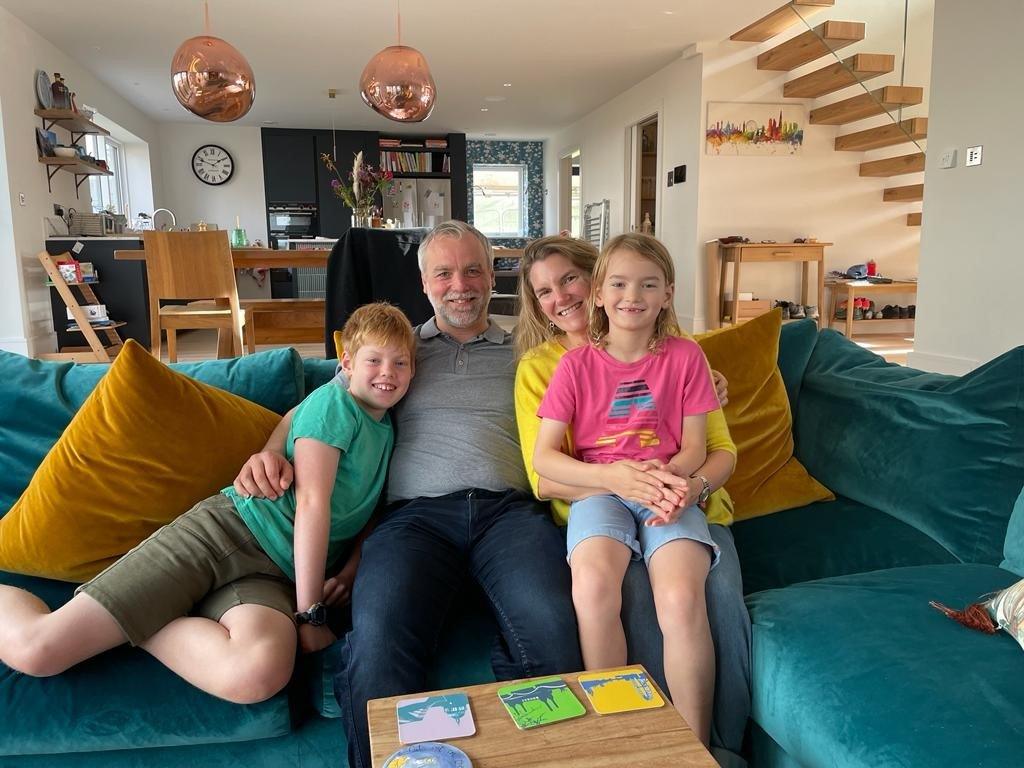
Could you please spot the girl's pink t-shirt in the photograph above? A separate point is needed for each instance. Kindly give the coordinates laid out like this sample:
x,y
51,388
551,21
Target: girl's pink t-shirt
x,y
629,410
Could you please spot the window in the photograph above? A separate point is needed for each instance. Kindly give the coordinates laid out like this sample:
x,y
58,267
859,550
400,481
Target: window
x,y
109,193
499,200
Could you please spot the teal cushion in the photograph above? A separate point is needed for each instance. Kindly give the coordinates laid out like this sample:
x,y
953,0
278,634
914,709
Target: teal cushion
x,y
1013,547
317,372
122,699
943,454
796,342
860,672
826,539
38,399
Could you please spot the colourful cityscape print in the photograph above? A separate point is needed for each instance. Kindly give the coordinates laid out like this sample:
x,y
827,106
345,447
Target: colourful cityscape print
x,y
754,129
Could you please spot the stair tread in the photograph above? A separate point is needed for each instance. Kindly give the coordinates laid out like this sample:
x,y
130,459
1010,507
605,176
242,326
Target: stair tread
x,y
914,219
867,105
779,20
833,77
904,194
883,136
811,45
894,166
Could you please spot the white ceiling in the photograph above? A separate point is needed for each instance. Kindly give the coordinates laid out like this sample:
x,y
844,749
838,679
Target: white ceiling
x,y
563,57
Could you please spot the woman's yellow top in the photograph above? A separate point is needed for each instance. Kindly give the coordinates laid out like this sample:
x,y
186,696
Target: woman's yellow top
x,y
532,378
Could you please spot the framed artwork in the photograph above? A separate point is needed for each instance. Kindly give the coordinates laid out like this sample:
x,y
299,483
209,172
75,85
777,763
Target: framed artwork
x,y
737,128
45,142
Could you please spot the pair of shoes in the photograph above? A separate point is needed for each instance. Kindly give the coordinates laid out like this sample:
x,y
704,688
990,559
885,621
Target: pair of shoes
x,y
796,311
904,312
783,305
912,310
811,311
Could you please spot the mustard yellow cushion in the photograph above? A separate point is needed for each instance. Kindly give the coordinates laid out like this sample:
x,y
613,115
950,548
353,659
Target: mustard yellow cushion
x,y
767,478
146,445
339,345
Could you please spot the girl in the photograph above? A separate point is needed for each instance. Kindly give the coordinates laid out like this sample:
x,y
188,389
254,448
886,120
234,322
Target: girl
x,y
636,399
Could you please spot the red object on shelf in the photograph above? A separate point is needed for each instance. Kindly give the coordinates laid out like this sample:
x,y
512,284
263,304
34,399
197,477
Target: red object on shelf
x,y
872,268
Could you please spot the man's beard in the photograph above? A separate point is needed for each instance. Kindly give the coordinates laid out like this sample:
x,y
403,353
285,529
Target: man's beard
x,y
460,318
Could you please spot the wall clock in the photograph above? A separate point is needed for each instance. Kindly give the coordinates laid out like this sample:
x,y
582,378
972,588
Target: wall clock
x,y
212,165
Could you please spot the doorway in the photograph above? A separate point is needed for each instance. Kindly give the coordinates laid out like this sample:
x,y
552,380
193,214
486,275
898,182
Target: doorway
x,y
570,209
644,176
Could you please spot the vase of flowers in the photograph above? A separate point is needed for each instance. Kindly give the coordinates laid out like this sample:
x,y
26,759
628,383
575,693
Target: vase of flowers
x,y
359,192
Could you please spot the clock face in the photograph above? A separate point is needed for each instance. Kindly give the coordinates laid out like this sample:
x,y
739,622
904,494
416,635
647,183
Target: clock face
x,y
212,164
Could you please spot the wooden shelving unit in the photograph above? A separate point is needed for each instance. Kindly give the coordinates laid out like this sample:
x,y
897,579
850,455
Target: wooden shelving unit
x,y
97,351
79,127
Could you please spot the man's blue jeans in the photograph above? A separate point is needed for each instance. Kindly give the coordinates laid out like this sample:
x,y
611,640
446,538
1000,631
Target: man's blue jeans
x,y
415,564
730,631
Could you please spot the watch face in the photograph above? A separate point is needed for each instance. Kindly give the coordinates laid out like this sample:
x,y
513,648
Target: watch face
x,y
212,164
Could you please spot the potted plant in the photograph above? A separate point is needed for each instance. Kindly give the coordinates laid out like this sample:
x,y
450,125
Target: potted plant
x,y
359,192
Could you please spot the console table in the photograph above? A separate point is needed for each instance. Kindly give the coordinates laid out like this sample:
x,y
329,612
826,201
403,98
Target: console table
x,y
718,256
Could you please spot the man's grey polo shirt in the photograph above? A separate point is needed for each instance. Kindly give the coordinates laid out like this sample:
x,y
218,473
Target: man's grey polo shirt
x,y
456,429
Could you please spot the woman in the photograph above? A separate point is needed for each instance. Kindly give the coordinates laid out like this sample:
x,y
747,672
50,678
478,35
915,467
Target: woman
x,y
554,286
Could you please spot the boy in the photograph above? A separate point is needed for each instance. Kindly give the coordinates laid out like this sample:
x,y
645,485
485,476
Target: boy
x,y
213,594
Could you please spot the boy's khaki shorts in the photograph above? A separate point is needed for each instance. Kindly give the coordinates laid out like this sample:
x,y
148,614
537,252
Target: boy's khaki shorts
x,y
204,563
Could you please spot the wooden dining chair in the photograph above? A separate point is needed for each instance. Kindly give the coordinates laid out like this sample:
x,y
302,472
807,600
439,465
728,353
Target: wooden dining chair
x,y
195,266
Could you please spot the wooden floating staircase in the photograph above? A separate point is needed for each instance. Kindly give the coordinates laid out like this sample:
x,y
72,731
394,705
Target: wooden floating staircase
x,y
821,41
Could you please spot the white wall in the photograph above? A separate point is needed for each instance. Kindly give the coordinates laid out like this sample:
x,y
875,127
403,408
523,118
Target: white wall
x,y
25,321
191,200
972,270
674,93
817,193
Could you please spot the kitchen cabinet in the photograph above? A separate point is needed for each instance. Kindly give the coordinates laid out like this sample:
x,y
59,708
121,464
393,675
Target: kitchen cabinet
x,y
289,165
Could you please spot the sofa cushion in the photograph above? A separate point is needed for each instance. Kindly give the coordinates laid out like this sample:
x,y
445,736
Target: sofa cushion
x,y
144,448
944,454
860,672
828,539
38,400
317,372
1013,547
122,699
796,342
768,477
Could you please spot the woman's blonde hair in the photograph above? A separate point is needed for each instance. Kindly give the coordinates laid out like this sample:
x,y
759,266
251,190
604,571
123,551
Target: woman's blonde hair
x,y
533,327
646,247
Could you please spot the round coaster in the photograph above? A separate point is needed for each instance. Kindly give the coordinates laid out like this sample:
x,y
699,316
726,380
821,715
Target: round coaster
x,y
429,754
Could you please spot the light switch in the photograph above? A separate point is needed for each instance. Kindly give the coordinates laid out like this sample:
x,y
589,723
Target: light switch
x,y
973,155
948,159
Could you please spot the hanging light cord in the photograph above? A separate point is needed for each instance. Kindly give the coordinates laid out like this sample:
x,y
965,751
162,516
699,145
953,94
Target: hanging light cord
x,y
206,18
398,3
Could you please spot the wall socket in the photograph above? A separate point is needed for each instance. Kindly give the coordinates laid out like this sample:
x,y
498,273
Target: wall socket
x,y
21,199
973,156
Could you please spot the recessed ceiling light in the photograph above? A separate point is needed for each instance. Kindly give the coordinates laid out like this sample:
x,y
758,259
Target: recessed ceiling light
x,y
668,13
490,134
494,99
507,85
484,109
270,122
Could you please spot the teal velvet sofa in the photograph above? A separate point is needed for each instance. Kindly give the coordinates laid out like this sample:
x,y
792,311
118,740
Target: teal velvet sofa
x,y
851,667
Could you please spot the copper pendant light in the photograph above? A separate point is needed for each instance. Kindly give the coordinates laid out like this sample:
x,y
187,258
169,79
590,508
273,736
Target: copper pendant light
x,y
397,83
211,79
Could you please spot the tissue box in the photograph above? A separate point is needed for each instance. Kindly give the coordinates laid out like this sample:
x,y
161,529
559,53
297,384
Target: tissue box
x,y
95,312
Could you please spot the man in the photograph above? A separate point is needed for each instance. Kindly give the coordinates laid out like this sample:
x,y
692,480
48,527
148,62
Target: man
x,y
458,505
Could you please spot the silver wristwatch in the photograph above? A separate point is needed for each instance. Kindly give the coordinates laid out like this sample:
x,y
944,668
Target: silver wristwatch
x,y
705,492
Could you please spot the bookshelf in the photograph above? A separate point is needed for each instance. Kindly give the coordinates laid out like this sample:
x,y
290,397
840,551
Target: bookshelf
x,y
426,168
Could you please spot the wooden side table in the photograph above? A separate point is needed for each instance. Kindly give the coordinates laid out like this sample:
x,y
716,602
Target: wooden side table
x,y
652,738
861,286
740,253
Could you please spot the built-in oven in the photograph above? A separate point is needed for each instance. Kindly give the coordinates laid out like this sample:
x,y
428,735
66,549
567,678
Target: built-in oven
x,y
288,221
291,220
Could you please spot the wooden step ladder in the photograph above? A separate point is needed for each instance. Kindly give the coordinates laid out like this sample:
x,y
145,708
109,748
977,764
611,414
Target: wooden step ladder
x,y
97,351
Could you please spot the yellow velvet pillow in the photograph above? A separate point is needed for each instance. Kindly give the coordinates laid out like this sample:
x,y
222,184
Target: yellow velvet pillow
x,y
145,446
339,345
767,478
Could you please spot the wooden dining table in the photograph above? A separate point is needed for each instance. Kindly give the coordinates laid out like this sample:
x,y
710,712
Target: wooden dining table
x,y
254,258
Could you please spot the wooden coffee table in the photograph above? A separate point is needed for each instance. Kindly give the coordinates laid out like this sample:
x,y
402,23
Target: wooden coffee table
x,y
644,739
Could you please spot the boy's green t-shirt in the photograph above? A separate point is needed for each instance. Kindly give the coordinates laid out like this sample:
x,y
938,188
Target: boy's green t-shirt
x,y
329,414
